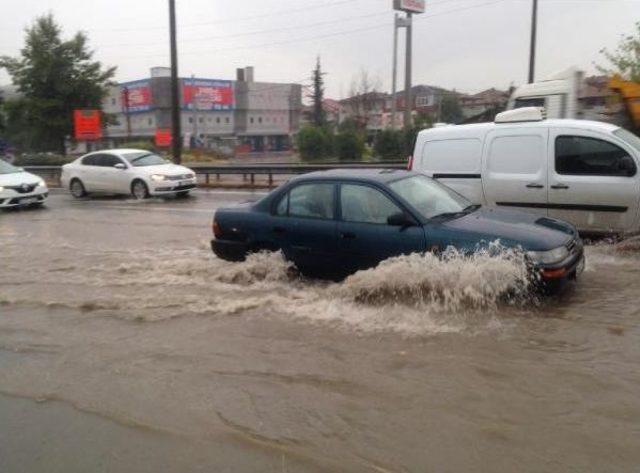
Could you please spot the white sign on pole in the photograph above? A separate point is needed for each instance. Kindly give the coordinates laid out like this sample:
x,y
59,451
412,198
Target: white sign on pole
x,y
411,6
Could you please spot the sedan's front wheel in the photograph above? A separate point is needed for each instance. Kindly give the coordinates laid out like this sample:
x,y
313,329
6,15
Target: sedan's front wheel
x,y
139,190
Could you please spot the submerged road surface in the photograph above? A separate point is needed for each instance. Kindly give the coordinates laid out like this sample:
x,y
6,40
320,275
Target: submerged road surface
x,y
125,345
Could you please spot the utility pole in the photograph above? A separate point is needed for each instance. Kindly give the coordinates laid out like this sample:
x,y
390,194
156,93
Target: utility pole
x,y
394,85
407,78
176,134
194,105
127,115
532,52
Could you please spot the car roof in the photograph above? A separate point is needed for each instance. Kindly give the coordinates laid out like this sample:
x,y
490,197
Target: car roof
x,y
118,151
372,175
480,129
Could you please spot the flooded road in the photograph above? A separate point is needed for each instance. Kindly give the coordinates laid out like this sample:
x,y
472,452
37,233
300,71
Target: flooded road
x,y
125,345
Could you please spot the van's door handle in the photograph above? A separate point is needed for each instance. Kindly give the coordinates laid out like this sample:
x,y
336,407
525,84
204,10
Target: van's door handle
x,y
535,186
348,236
279,230
559,186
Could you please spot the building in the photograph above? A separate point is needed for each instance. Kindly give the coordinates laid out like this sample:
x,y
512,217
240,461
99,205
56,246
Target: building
x,y
231,116
484,105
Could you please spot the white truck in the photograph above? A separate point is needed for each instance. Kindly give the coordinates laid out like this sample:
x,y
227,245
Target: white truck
x,y
559,95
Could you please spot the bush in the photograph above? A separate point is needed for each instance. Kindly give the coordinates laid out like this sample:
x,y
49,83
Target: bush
x,y
349,146
141,144
389,145
314,143
42,159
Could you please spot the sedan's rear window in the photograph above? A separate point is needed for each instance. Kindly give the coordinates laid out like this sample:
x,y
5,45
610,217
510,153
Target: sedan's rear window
x,y
312,201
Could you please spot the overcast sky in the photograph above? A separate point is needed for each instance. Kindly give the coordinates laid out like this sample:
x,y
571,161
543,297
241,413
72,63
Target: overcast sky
x,y
468,45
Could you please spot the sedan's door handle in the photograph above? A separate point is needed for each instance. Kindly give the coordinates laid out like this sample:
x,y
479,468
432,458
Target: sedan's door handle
x,y
559,186
279,230
535,186
348,236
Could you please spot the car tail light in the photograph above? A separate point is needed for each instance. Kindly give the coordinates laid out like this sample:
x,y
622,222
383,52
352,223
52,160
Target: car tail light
x,y
410,163
217,231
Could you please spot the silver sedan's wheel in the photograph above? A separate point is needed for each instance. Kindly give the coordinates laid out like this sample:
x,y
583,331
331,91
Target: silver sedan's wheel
x,y
139,190
77,189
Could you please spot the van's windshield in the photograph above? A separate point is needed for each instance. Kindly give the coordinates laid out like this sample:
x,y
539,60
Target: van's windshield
x,y
629,138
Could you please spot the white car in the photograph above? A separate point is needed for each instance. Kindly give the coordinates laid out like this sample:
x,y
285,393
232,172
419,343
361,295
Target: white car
x,y
126,171
18,187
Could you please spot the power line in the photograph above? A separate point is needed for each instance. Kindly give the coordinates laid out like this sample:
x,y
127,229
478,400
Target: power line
x,y
322,36
253,33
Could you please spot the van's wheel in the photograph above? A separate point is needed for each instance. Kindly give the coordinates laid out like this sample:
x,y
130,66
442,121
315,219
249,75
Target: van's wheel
x,y
77,189
139,190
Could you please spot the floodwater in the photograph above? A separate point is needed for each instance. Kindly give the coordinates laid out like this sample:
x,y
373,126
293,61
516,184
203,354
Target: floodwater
x,y
125,345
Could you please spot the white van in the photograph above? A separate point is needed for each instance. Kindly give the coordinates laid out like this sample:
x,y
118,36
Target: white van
x,y
585,172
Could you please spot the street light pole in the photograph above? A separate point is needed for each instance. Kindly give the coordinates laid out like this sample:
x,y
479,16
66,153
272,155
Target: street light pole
x,y
534,32
176,135
407,79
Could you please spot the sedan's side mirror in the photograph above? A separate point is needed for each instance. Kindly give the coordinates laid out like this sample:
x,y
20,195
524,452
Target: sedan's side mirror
x,y
120,166
400,219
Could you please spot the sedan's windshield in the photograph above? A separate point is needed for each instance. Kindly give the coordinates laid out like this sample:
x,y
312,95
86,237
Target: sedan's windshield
x,y
429,197
6,168
144,159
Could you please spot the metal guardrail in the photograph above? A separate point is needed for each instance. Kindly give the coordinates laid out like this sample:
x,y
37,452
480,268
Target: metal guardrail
x,y
248,172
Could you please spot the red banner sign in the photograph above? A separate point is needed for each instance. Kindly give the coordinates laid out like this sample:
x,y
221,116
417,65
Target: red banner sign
x,y
136,96
87,125
163,137
207,94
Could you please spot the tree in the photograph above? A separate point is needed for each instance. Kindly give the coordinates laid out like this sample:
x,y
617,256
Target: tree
x,y
54,77
389,144
625,60
349,145
314,143
317,77
449,108
364,99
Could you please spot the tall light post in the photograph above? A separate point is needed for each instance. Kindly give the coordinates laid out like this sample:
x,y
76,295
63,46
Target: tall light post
x,y
410,7
532,51
176,133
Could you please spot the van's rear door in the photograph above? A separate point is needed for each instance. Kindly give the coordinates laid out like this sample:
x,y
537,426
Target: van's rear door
x,y
514,168
593,180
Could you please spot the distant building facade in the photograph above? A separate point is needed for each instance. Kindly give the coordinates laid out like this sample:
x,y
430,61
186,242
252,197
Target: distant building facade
x,y
241,115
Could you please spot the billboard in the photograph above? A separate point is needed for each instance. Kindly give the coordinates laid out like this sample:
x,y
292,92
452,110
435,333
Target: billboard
x,y
87,125
411,6
163,137
207,94
136,96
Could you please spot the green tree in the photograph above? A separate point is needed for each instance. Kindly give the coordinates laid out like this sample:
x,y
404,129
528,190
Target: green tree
x,y
625,59
349,145
389,145
54,77
314,143
450,110
317,78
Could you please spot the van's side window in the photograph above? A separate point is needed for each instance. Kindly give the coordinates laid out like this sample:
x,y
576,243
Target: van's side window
x,y
583,156
517,154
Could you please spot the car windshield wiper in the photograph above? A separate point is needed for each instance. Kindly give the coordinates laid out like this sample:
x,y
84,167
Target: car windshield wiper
x,y
460,213
138,158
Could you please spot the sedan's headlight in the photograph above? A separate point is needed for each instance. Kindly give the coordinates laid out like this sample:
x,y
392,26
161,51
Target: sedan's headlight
x,y
158,177
1,188
548,257
41,183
